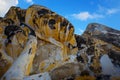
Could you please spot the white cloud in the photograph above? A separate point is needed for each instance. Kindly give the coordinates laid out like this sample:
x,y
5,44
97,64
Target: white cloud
x,y
107,11
112,11
81,31
86,15
29,1
101,12
5,5
82,16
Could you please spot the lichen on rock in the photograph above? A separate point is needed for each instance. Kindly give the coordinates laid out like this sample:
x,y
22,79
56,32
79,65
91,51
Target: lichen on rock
x,y
37,43
55,37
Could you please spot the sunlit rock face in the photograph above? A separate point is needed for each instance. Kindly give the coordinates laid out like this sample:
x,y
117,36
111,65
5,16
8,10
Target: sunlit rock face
x,y
99,49
16,15
59,53
10,46
55,36
51,27
104,33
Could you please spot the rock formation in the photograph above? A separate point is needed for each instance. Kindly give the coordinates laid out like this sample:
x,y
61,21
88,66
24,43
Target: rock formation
x,y
98,48
55,36
22,65
37,43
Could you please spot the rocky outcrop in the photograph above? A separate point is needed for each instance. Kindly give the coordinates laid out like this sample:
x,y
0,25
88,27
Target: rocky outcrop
x,y
16,15
56,44
99,49
22,65
37,43
56,31
104,33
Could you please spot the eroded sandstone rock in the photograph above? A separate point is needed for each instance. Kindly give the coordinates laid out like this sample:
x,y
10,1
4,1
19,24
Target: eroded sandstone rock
x,y
21,67
53,29
60,54
16,14
55,36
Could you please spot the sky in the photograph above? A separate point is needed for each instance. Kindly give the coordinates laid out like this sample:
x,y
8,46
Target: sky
x,y
79,12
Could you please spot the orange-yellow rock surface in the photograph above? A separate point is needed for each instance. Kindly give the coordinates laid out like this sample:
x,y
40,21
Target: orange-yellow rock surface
x,y
59,53
54,33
